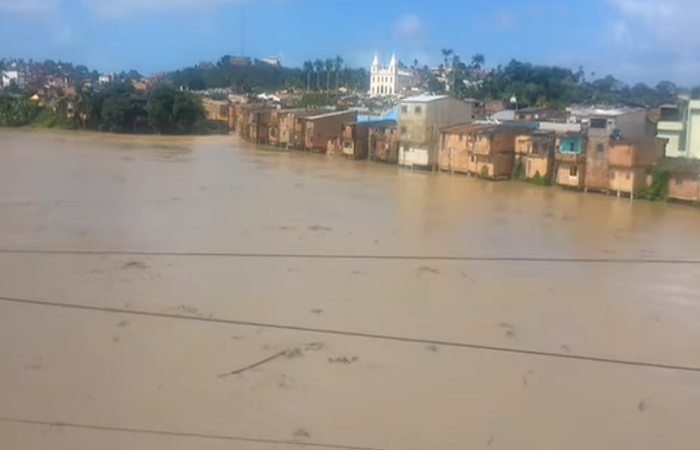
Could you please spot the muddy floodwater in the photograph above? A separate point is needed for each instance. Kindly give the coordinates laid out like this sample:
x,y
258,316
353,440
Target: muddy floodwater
x,y
204,294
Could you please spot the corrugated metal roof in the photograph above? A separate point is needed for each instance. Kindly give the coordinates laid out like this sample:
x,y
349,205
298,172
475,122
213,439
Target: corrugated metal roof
x,y
465,128
424,98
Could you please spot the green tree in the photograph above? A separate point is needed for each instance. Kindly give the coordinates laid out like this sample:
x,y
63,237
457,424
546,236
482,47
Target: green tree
x,y
328,65
318,65
309,69
337,67
171,111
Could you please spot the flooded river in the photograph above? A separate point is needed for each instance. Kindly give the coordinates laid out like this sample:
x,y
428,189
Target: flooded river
x,y
203,294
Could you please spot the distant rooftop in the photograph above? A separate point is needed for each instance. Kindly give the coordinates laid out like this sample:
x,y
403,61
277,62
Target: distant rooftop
x,y
424,98
593,111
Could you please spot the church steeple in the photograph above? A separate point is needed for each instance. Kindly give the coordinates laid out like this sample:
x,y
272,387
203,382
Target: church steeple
x,y
375,64
393,65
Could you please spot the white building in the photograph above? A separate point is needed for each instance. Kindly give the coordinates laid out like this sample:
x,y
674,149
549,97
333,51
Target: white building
x,y
10,77
390,80
106,78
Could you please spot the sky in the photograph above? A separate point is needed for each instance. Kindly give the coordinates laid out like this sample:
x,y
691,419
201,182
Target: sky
x,y
634,40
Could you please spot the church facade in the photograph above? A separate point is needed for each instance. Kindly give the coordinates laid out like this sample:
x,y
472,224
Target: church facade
x,y
391,80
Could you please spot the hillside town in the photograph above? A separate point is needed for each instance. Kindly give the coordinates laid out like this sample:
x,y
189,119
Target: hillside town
x,y
416,118
624,151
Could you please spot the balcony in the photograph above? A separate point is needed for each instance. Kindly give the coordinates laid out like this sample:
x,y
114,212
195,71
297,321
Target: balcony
x,y
670,126
572,158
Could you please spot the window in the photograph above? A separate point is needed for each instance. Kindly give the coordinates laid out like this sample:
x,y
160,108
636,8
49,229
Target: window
x,y
418,110
461,137
403,130
473,158
223,111
404,109
628,176
599,123
572,147
573,171
600,148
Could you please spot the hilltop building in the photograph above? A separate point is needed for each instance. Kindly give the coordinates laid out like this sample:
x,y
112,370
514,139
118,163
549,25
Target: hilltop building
x,y
390,80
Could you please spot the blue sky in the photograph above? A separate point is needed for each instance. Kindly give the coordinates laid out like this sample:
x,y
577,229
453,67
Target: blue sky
x,y
636,40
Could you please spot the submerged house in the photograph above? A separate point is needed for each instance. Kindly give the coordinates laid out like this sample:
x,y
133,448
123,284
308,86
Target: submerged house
x,y
487,151
457,147
684,181
570,160
383,141
534,152
630,163
318,129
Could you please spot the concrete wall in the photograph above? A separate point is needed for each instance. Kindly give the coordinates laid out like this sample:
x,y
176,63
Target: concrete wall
x,y
535,164
420,129
563,175
384,144
322,128
628,180
632,124
455,152
685,188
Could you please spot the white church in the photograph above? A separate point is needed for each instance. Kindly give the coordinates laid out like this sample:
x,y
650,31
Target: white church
x,y
390,80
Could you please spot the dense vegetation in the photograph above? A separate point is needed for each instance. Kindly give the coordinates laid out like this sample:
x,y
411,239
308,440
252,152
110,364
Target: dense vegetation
x,y
117,108
540,85
260,76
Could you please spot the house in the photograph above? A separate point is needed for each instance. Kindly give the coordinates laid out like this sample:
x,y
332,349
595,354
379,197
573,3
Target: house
x,y
487,151
384,141
283,125
216,110
603,127
354,140
15,77
537,113
570,160
680,124
316,130
457,146
106,78
420,120
390,80
253,120
534,153
630,162
684,180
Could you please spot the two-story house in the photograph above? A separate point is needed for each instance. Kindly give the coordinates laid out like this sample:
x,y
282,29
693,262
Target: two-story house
x,y
680,125
420,121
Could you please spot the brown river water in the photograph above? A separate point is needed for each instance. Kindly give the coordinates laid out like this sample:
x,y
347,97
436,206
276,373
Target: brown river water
x,y
141,278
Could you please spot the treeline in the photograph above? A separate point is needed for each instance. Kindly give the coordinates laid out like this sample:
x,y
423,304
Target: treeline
x,y
116,108
259,76
541,85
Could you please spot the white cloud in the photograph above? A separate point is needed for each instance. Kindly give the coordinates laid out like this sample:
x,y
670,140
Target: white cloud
x,y
28,7
46,13
656,37
409,26
120,8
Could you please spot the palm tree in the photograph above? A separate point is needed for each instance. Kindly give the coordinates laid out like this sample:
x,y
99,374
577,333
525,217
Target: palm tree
x,y
308,68
446,53
478,61
337,66
318,65
329,68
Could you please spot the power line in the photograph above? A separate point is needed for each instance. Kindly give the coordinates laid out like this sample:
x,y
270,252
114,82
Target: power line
x,y
357,334
181,434
527,259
